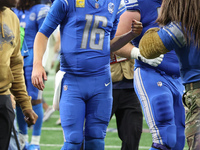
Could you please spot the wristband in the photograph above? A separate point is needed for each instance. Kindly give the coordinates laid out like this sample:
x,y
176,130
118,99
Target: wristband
x,y
135,53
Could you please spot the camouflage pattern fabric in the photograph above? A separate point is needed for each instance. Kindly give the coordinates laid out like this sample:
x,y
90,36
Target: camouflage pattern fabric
x,y
191,100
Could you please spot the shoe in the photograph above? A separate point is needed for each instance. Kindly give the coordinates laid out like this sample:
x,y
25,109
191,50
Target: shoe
x,y
33,147
58,122
48,113
26,146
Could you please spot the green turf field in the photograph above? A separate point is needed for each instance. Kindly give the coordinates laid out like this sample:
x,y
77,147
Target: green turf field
x,y
52,136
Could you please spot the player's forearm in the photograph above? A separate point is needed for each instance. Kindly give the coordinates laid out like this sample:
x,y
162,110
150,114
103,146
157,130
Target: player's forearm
x,y
18,86
40,44
119,41
125,51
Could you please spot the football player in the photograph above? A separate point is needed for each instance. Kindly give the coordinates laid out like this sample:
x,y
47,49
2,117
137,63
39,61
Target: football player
x,y
31,15
159,87
180,31
86,28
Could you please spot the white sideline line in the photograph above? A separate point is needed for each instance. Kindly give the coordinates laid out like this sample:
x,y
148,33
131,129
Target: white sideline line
x,y
106,146
49,92
60,129
55,116
51,145
52,129
49,99
114,130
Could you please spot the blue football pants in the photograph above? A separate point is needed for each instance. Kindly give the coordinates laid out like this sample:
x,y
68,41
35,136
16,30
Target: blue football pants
x,y
86,99
161,98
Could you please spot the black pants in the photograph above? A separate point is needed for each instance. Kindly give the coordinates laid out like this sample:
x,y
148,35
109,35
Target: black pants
x,y
7,116
129,117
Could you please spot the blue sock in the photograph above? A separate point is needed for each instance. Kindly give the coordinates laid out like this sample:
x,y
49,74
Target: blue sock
x,y
20,121
38,125
94,144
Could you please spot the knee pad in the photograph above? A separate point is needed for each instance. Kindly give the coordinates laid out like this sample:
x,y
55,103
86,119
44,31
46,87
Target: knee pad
x,y
163,109
74,137
180,143
94,144
95,132
69,146
171,136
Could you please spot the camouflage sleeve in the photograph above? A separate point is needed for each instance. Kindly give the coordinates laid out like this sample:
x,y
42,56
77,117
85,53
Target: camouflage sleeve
x,y
18,88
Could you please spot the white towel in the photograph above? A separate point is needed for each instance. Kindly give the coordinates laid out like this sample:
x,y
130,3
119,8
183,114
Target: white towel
x,y
57,91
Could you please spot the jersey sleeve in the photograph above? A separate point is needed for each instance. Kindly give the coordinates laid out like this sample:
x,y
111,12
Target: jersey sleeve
x,y
54,17
132,5
172,36
121,10
42,13
114,29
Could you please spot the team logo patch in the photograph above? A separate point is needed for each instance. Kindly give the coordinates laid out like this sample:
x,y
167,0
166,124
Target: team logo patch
x,y
32,16
65,87
8,36
159,83
111,7
80,3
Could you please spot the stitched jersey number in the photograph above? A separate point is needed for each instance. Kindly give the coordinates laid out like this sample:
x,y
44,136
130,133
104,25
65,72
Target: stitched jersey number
x,y
94,32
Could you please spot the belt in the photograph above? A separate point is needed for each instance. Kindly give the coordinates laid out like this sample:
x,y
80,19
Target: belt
x,y
192,86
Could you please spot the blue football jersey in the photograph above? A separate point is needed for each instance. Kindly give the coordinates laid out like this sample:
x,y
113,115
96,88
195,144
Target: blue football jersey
x,y
31,20
188,55
86,30
24,49
149,10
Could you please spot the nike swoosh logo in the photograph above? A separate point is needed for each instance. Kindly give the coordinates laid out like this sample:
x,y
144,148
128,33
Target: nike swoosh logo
x,y
26,51
107,84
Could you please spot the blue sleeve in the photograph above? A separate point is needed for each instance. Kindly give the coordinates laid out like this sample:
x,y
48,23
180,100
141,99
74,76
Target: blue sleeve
x,y
132,5
42,13
55,16
114,29
172,36
120,11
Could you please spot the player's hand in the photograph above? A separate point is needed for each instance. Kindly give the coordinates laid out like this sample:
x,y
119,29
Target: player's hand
x,y
30,117
136,27
38,74
135,54
153,62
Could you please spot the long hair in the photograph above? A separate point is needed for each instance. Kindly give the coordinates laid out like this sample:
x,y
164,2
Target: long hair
x,y
186,12
27,4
